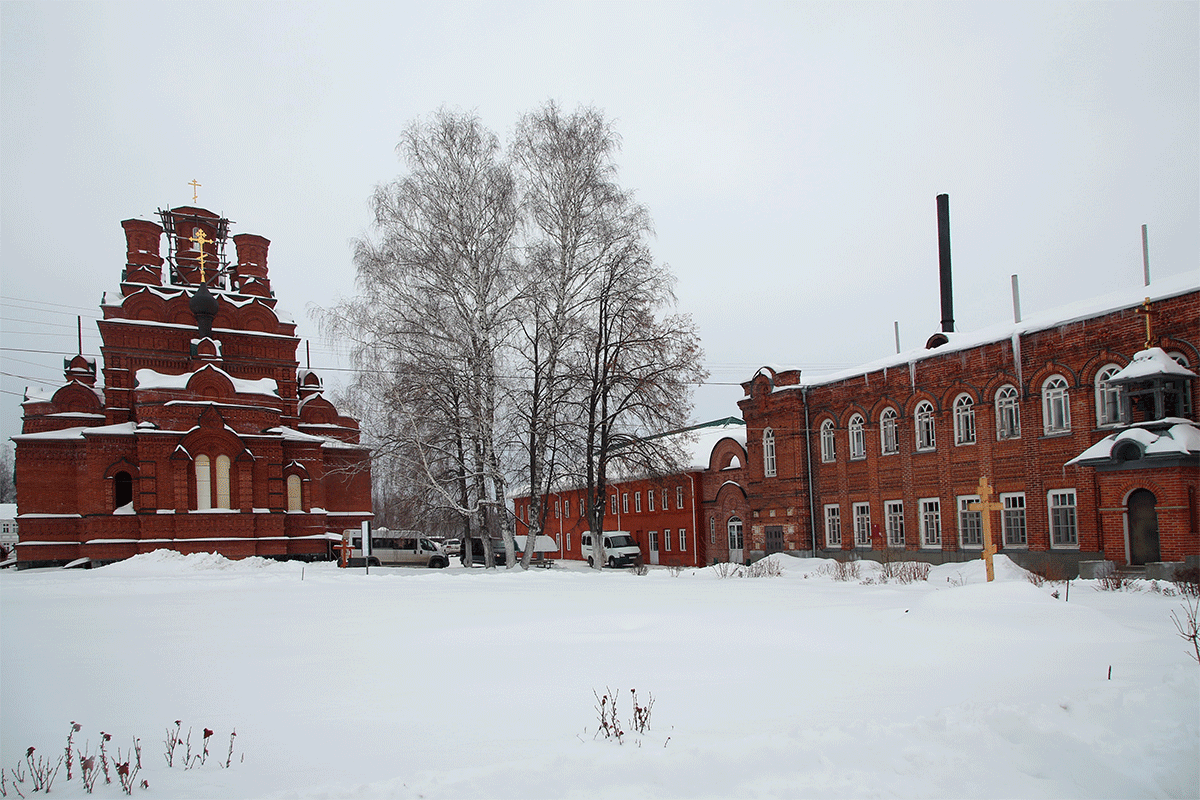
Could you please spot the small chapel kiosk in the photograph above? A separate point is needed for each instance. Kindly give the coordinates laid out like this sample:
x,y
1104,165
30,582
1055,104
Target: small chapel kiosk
x,y
206,435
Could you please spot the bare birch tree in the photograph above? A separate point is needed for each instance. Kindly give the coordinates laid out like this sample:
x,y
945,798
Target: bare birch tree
x,y
434,310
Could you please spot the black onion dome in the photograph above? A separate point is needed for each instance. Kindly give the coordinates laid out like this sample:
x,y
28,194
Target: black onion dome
x,y
204,307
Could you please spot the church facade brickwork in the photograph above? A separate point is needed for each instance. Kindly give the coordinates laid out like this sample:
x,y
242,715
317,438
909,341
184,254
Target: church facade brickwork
x,y
205,435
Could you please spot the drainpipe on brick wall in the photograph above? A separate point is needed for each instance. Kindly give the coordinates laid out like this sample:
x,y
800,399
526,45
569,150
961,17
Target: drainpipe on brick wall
x,y
695,521
812,529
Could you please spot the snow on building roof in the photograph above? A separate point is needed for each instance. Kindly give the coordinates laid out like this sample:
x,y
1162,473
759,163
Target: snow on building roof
x,y
119,429
151,379
1148,364
1181,438
1161,289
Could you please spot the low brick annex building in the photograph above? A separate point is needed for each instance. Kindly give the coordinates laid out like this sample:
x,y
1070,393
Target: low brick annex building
x,y
205,434
673,518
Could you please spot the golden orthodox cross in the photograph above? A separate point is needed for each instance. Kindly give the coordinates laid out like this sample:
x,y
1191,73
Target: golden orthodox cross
x,y
986,506
200,239
195,186
345,548
1144,308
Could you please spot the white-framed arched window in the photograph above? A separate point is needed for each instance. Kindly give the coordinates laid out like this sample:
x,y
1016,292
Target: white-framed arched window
x,y
964,419
1108,397
222,481
768,442
858,438
889,440
203,483
1008,413
828,444
923,418
295,500
1056,405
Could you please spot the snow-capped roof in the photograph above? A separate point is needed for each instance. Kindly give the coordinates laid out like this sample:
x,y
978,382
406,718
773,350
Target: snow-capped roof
x,y
1149,363
1083,309
1180,438
119,429
151,379
703,438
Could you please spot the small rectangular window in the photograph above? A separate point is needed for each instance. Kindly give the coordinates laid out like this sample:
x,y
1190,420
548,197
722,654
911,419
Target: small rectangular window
x,y
862,524
894,511
637,502
667,540
614,505
931,522
679,497
1013,519
682,540
1064,529
833,526
650,499
970,523
625,502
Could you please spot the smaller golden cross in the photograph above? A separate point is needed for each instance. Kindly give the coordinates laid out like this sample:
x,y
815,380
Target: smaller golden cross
x,y
986,505
200,240
195,185
1144,308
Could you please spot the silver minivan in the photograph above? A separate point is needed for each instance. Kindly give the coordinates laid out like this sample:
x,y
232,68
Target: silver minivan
x,y
401,548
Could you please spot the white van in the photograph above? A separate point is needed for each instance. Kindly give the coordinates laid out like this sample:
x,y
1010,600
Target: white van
x,y
620,550
400,548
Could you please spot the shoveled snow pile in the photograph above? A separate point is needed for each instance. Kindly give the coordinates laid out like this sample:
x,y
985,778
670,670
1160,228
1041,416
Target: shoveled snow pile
x,y
465,683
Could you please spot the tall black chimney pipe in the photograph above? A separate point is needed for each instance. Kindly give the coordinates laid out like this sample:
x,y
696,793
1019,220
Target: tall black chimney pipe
x,y
943,212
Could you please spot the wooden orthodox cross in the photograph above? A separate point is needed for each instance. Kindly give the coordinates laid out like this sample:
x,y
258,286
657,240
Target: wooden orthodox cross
x,y
195,185
346,548
986,506
1144,308
200,238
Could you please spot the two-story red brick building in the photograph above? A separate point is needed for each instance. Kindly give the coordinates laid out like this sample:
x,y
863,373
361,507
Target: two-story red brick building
x,y
1052,411
205,435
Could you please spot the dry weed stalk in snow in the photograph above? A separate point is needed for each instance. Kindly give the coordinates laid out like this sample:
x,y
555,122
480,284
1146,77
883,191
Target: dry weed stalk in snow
x,y
1189,627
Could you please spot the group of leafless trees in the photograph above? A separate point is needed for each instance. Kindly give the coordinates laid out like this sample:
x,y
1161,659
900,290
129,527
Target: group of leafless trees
x,y
511,326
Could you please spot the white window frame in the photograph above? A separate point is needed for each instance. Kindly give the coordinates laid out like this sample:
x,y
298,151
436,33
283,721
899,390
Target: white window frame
x,y
650,500
683,540
964,419
931,522
1109,411
666,540
1008,413
679,497
1063,516
858,438
624,502
893,514
558,509
862,524
1056,406
889,433
712,530
613,504
833,527
923,427
1014,519
734,529
653,541
828,442
970,523
768,444
637,502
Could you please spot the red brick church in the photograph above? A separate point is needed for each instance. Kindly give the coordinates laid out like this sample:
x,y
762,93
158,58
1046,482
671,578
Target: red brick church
x,y
205,434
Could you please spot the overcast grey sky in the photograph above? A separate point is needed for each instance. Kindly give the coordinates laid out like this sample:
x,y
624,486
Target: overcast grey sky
x,y
790,153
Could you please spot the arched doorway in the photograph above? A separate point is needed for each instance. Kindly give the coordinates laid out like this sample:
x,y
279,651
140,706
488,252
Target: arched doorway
x,y
1143,527
122,489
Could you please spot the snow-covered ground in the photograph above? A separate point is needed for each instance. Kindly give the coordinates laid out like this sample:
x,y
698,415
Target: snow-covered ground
x,y
472,683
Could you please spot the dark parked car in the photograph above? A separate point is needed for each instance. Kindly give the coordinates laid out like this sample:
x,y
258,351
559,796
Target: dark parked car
x,y
479,557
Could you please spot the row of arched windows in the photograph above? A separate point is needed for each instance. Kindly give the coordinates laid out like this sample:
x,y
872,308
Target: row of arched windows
x,y
1056,419
212,485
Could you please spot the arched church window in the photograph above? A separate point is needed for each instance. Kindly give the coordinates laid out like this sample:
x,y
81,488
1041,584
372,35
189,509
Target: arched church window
x,y
122,489
203,483
222,481
294,498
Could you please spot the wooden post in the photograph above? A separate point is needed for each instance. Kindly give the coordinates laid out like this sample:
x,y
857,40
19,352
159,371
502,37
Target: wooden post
x,y
986,506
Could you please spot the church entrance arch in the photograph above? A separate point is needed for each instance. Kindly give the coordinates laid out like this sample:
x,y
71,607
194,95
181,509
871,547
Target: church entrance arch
x,y
1142,517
